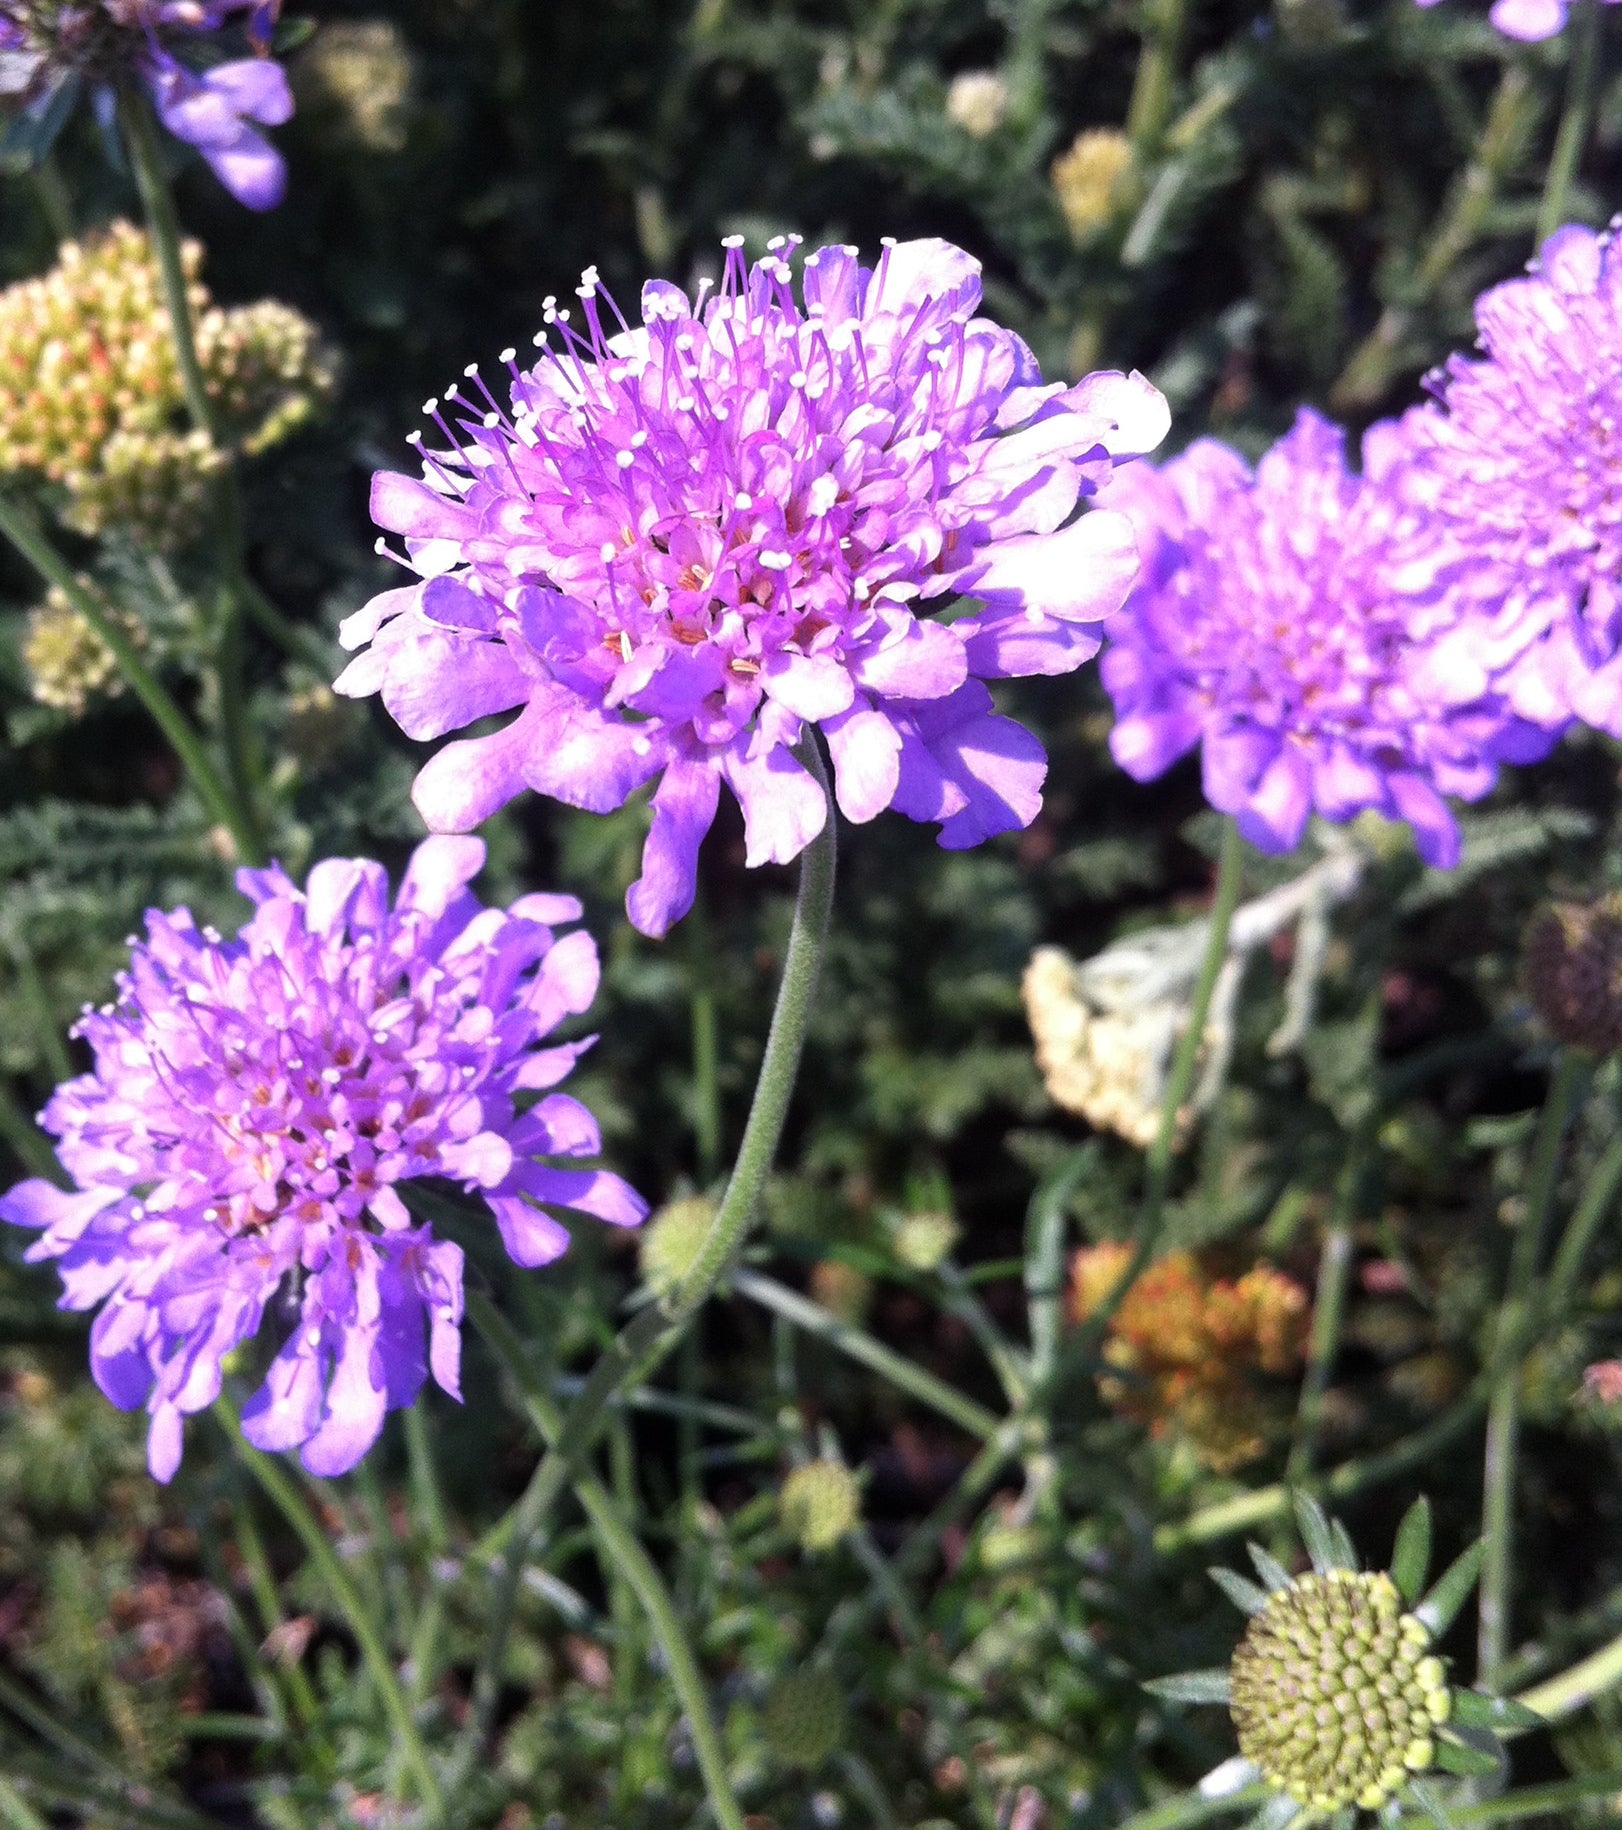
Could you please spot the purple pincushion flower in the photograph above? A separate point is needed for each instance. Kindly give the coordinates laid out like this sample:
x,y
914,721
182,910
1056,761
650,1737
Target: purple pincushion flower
x,y
253,1108
1530,21
1299,625
687,541
1521,463
47,45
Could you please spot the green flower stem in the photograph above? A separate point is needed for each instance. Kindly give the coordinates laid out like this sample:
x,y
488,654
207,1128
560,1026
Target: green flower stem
x,y
1581,83
629,1561
1538,1801
251,1548
55,200
141,137
1189,1808
15,1810
1328,1307
650,1335
1044,1262
1591,1211
426,1499
1509,120
23,533
1575,1688
904,1374
1503,1414
284,1495
1152,85
295,641
1179,1083
706,1047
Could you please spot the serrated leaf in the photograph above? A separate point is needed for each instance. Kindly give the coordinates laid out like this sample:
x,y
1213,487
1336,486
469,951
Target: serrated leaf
x,y
1244,1594
1315,1532
1436,1613
1411,1556
1498,1715
1467,1762
1213,1686
1273,1573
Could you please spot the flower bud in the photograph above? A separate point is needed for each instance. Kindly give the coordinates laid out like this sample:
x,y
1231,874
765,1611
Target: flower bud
x,y
819,1503
1571,962
671,1241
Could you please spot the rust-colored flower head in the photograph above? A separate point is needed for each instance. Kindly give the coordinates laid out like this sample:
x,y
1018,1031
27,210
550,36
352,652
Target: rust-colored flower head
x,y
1571,961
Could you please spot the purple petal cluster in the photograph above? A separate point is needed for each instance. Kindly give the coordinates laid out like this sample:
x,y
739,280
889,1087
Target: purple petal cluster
x,y
218,108
681,543
254,1107
1306,627
1521,466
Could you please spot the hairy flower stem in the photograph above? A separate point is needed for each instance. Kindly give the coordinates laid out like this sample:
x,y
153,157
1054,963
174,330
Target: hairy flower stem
x,y
135,118
1180,1082
25,535
650,1335
1514,1336
1581,81
284,1495
1376,359
629,1561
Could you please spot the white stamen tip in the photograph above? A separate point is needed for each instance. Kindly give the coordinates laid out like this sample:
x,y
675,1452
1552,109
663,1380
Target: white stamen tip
x,y
607,552
731,241
507,354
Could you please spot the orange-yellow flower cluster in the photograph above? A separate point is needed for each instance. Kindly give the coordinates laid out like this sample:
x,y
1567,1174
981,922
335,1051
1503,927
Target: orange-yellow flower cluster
x,y
91,399
1190,1351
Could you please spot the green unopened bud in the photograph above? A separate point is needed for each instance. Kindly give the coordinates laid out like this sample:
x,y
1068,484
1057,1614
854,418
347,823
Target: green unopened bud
x,y
819,1503
68,663
1336,1696
921,1241
1572,967
804,1720
671,1240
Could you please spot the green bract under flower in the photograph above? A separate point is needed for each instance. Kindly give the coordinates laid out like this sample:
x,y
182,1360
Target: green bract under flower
x,y
1335,1695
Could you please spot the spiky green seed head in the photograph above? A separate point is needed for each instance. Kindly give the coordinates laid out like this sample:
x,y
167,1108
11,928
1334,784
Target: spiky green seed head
x,y
921,1241
671,1240
1336,1696
819,1503
804,1719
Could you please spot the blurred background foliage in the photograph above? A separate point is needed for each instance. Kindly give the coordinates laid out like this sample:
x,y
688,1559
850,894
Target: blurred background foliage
x,y
1259,207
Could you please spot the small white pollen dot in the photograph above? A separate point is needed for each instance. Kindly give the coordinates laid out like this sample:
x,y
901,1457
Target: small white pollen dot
x,y
776,562
471,370
625,459
743,502
608,551
431,404
640,746
507,354
1034,615
731,241
886,241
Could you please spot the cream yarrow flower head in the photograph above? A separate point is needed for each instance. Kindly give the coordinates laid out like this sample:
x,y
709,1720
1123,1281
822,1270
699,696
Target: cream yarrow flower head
x,y
95,408
67,661
1340,1704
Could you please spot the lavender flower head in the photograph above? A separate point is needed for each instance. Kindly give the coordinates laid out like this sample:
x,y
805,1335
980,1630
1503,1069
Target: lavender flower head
x,y
1298,625
1531,21
253,1107
1522,464
48,48
688,540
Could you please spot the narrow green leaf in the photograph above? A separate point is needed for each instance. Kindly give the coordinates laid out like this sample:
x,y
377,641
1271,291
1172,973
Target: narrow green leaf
x,y
1498,1715
1411,1557
1244,1594
1277,1814
1426,1797
1437,1611
1272,1572
1467,1762
1192,1686
1315,1532
1345,1550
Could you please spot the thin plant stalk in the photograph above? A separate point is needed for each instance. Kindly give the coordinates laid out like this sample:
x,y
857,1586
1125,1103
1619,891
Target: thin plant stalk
x,y
284,1495
1179,1084
1575,121
645,1340
1152,85
25,535
630,1563
26,1138
1503,1413
1328,1308
1044,1262
906,1375
1577,1686
55,201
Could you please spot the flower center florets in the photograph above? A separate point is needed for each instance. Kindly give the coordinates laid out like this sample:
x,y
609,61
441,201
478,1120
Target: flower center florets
x,y
1334,1692
295,1085
732,479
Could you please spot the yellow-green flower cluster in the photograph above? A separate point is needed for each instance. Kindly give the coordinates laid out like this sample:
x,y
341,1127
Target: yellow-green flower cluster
x,y
1336,1696
91,398
819,1503
67,661
1087,178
